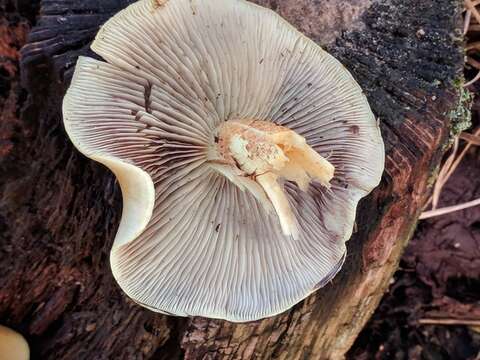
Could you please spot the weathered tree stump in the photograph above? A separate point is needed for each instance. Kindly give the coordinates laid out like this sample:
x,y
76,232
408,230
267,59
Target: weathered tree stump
x,y
59,211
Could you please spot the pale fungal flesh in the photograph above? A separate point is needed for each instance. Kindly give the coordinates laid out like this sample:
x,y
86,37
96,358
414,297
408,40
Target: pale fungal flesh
x,y
241,147
262,152
13,346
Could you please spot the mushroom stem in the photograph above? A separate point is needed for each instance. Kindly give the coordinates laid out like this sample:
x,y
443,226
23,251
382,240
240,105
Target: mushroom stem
x,y
264,152
279,200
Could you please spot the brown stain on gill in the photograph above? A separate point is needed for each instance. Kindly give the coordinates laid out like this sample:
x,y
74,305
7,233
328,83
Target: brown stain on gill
x,y
159,3
354,129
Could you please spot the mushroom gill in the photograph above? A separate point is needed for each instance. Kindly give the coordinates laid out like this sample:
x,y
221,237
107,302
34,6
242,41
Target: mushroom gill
x,y
241,148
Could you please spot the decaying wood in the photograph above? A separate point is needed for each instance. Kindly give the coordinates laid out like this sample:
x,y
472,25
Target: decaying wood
x,y
59,211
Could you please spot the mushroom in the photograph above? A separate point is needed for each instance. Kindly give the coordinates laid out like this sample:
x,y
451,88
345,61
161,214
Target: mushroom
x,y
12,345
241,148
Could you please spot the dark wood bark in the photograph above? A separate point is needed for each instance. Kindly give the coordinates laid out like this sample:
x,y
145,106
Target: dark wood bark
x,y
59,211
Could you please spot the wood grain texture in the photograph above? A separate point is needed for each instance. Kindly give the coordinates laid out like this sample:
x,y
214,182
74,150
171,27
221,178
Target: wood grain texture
x,y
59,211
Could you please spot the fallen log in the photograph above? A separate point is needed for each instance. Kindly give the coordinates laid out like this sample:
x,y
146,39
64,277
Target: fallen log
x,y
59,211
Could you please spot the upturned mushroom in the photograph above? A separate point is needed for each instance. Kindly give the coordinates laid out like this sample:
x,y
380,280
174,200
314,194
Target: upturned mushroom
x,y
13,346
241,148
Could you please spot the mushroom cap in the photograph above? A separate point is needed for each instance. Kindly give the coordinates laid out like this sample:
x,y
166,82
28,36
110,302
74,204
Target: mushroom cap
x,y
190,242
13,346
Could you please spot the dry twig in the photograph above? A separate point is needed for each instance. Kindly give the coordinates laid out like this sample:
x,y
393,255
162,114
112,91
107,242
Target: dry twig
x,y
449,209
471,13
473,139
449,321
470,5
445,173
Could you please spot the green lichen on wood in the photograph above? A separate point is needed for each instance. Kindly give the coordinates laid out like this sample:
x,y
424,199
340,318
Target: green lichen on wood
x,y
432,179
461,120
461,115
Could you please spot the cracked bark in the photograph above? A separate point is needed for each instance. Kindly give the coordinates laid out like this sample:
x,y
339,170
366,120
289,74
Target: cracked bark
x,y
59,211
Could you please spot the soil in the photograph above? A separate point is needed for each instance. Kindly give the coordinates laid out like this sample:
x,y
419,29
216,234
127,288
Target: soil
x,y
438,278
